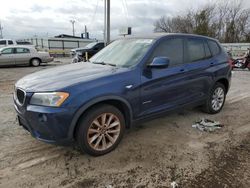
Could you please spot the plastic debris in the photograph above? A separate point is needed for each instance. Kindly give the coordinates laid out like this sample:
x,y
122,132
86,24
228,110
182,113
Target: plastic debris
x,y
207,125
174,184
109,186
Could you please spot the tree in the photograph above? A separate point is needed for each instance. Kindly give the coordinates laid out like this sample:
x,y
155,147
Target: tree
x,y
227,21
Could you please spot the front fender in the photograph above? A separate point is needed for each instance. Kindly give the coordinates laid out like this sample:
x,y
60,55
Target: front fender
x,y
87,105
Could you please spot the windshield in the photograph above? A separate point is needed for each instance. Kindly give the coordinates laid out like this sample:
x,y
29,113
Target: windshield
x,y
123,53
90,45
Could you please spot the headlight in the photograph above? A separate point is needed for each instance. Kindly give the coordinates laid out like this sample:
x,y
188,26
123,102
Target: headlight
x,y
54,99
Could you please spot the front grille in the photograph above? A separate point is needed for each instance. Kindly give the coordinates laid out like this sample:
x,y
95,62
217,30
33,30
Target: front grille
x,y
20,95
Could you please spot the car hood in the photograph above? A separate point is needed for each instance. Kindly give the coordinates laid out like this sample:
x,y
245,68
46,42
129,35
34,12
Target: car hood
x,y
61,77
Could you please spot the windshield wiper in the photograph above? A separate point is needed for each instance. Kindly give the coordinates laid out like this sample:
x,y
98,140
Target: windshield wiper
x,y
103,63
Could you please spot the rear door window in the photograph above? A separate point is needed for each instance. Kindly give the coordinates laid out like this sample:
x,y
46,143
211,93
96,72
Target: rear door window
x,y
214,47
22,50
171,48
196,50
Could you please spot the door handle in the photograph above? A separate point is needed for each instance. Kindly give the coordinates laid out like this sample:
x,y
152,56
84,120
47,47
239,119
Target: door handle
x,y
182,70
212,64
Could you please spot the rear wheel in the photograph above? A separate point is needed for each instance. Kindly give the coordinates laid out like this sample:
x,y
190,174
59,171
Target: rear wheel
x,y
216,99
100,130
35,62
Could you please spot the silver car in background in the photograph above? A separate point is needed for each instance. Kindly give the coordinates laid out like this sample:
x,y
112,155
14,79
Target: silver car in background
x,y
20,55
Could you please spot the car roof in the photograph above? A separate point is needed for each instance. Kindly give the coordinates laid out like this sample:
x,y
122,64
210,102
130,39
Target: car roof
x,y
6,39
161,35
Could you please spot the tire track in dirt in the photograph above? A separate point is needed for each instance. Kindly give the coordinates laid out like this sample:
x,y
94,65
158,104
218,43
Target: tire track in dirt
x,y
230,169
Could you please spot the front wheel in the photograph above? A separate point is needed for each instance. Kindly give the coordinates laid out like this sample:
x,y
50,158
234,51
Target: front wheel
x,y
100,130
216,99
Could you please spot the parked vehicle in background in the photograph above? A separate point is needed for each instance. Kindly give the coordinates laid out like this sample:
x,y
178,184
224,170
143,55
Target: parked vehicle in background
x,y
91,49
24,43
243,62
130,80
7,42
77,58
20,55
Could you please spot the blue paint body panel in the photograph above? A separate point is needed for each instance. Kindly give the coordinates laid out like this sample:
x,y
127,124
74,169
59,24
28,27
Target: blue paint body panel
x,y
144,91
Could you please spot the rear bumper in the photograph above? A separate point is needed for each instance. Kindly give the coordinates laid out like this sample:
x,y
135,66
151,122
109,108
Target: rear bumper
x,y
50,125
47,60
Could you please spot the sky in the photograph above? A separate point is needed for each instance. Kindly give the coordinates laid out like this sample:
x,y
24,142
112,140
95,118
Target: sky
x,y
46,18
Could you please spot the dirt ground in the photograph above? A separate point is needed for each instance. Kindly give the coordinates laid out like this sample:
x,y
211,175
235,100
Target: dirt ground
x,y
152,154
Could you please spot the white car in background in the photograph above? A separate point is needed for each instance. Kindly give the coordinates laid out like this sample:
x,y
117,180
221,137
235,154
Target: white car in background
x,y
7,42
20,55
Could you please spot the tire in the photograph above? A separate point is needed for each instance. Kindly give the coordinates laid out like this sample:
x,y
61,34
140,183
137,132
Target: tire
x,y
74,60
35,62
93,136
215,103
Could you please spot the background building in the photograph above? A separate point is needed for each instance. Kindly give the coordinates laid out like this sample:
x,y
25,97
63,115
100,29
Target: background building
x,y
60,45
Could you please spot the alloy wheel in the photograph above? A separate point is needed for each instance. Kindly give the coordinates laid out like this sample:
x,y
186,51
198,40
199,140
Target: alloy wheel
x,y
103,131
218,98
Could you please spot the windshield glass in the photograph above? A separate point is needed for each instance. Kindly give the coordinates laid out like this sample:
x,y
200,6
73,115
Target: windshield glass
x,y
123,53
90,45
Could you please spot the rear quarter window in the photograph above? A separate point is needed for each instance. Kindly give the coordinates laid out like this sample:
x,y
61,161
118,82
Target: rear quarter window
x,y
214,47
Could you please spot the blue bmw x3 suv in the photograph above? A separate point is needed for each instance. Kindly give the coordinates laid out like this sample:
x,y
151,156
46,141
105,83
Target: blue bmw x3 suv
x,y
132,79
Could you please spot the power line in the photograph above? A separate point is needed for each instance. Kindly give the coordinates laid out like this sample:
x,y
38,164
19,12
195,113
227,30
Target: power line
x,y
94,15
126,5
125,11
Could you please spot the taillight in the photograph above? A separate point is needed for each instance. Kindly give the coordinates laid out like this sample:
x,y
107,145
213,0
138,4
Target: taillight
x,y
230,62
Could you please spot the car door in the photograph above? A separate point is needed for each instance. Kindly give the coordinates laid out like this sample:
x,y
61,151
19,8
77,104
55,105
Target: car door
x,y
7,56
198,67
165,88
22,55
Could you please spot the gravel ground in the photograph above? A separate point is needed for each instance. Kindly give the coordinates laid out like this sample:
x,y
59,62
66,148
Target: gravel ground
x,y
152,154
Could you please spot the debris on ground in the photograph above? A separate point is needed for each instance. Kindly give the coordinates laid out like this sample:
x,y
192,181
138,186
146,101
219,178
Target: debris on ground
x,y
109,186
207,125
174,184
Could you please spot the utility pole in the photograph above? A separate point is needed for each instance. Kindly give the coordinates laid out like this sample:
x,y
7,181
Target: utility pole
x,y
105,26
73,26
1,30
86,33
106,22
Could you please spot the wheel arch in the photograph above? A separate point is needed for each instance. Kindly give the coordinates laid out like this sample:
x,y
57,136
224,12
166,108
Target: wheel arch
x,y
225,82
120,103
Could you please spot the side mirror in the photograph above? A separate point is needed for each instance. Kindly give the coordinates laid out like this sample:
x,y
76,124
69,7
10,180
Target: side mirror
x,y
160,62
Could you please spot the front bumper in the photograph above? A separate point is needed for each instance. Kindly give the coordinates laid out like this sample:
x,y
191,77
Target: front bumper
x,y
47,124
